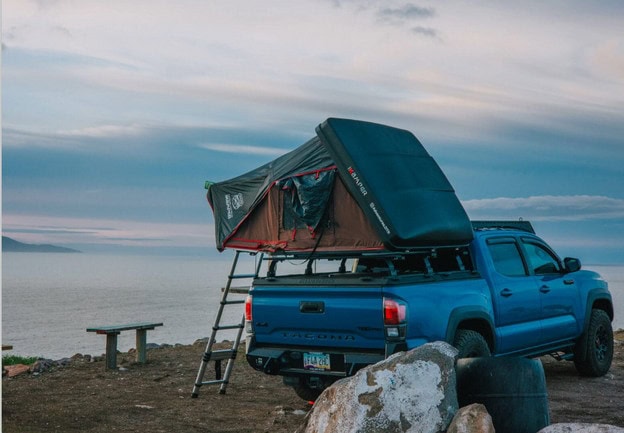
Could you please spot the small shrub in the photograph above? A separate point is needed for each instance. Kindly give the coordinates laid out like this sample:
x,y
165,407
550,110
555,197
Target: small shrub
x,y
16,359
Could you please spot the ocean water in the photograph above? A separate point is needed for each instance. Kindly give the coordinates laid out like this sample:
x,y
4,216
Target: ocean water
x,y
49,300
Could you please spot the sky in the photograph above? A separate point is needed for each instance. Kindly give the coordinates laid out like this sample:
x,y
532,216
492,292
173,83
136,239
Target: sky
x,y
115,113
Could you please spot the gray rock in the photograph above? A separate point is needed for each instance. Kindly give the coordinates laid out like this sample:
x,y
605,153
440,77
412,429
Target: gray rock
x,y
41,365
473,418
408,392
62,362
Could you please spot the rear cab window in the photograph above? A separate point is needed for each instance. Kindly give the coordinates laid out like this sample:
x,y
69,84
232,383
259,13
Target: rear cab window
x,y
507,257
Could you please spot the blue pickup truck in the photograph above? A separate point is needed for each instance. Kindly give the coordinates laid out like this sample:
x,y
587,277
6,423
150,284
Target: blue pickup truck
x,y
507,293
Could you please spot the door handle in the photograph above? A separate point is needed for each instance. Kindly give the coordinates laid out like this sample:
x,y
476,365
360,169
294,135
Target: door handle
x,y
312,307
544,289
506,292
568,282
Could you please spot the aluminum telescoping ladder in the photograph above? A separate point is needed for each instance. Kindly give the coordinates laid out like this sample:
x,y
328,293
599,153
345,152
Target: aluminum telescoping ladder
x,y
224,354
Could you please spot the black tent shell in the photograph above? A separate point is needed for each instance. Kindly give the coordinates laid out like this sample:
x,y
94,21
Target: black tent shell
x,y
397,184
398,187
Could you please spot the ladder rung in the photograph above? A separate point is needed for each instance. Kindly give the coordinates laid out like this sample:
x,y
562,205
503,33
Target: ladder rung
x,y
217,355
243,276
213,382
238,301
223,327
237,290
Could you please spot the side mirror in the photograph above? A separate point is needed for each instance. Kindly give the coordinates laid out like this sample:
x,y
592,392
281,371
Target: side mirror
x,y
571,264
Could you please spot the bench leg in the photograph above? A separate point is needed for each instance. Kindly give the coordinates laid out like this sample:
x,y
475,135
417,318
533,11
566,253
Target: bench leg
x,y
141,343
111,351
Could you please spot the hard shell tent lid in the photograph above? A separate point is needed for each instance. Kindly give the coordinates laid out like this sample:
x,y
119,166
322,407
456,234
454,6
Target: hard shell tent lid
x,y
398,185
387,186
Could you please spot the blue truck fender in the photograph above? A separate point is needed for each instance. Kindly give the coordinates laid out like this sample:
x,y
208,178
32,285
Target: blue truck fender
x,y
599,298
476,318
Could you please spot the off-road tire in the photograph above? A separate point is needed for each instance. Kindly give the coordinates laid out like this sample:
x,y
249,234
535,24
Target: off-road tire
x,y
594,349
470,344
306,393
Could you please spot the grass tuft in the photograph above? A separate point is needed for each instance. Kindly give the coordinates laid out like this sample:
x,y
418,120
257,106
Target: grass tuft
x,y
16,359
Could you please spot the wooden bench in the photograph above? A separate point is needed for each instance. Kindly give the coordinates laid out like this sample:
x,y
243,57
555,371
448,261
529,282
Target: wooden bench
x,y
113,331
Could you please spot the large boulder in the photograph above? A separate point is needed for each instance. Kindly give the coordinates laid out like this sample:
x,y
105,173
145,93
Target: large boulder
x,y
581,428
473,418
408,392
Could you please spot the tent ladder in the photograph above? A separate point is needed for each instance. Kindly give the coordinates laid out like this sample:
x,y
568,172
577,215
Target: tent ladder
x,y
230,353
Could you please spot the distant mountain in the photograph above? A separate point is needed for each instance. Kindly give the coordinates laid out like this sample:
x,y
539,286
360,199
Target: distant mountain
x,y
13,246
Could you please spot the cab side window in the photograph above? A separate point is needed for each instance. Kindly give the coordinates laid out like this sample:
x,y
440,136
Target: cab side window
x,y
541,260
507,258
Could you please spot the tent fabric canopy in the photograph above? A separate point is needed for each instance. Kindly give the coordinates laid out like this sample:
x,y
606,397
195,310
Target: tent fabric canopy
x,y
355,186
233,200
309,196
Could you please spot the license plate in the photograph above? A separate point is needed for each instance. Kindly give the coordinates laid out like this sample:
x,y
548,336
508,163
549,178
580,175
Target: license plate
x,y
316,361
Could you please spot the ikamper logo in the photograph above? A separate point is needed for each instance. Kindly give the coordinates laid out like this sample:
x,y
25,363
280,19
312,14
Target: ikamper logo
x,y
357,181
232,203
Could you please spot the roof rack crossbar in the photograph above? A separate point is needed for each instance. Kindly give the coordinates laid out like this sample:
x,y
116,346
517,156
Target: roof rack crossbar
x,y
503,224
340,255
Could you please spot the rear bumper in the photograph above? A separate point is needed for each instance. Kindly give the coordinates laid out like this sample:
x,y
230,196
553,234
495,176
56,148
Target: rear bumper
x,y
289,361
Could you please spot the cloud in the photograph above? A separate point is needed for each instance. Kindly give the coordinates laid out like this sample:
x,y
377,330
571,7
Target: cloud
x,y
426,31
104,131
547,208
129,138
392,13
243,149
50,230
233,66
85,231
406,12
98,139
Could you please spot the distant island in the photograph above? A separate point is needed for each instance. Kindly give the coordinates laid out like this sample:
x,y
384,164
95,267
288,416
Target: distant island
x,y
12,246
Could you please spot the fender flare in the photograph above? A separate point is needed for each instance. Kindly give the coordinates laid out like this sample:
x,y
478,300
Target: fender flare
x,y
594,295
597,295
471,313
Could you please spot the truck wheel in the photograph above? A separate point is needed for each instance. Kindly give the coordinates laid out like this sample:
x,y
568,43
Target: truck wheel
x,y
594,350
306,393
470,344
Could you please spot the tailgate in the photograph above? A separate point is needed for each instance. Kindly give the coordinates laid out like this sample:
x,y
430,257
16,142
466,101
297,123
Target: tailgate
x,y
341,317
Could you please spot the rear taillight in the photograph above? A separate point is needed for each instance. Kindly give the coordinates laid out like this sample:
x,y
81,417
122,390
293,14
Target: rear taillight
x,y
248,317
248,308
394,312
395,317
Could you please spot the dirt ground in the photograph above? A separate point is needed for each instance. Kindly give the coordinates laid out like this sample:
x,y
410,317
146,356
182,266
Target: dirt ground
x,y
156,397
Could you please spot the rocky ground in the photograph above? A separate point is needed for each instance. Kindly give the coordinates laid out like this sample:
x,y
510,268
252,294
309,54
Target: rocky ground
x,y
81,396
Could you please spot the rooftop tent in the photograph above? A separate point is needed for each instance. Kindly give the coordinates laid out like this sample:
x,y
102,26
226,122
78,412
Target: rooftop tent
x,y
397,184
355,186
